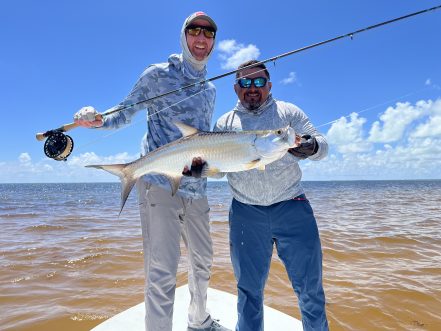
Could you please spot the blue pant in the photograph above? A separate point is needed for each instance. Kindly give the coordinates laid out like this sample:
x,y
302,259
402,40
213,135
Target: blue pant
x,y
292,227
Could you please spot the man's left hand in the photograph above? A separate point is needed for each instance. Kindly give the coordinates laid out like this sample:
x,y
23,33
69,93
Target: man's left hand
x,y
197,166
308,146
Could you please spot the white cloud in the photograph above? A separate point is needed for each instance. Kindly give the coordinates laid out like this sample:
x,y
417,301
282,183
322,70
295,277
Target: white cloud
x,y
91,158
292,78
418,160
432,127
347,136
232,53
428,82
396,120
73,170
24,158
415,155
227,46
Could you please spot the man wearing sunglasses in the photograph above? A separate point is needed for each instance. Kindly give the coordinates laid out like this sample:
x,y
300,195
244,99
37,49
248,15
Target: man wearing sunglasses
x,y
164,218
269,207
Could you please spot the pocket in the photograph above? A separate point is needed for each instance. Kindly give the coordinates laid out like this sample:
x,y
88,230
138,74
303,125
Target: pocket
x,y
142,189
158,196
201,206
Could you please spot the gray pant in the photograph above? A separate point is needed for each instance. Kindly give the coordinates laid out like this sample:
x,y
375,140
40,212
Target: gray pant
x,y
164,219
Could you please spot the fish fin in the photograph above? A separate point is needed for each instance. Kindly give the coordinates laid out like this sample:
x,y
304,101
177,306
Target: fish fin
x,y
252,164
127,182
208,171
174,182
185,129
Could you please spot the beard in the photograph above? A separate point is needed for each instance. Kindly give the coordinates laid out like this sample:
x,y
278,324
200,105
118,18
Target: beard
x,y
252,103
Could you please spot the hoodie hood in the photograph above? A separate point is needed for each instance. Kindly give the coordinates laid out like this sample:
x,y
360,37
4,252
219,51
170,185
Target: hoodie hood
x,y
188,59
269,102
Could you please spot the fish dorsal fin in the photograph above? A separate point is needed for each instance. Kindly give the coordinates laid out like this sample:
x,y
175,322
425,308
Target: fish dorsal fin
x,y
185,129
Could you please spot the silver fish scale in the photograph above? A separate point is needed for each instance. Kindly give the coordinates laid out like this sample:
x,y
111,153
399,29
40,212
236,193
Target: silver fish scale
x,y
224,151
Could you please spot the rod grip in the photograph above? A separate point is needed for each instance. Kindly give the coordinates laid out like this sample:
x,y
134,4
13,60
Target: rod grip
x,y
64,128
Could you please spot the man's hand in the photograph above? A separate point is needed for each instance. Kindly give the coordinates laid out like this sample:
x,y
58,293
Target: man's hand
x,y
88,117
197,166
308,146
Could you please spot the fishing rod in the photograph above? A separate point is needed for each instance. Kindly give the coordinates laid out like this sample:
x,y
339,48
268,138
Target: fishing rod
x,y
59,146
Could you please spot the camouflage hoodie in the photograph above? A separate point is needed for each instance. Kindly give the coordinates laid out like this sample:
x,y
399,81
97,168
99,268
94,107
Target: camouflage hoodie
x,y
281,179
193,106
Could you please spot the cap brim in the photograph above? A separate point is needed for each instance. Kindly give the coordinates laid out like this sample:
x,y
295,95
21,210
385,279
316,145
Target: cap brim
x,y
203,17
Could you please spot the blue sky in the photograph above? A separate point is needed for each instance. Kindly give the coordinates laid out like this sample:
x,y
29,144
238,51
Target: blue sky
x,y
377,98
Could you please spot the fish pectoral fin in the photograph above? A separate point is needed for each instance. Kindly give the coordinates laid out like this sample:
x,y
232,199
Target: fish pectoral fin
x,y
252,164
208,171
261,167
185,129
174,182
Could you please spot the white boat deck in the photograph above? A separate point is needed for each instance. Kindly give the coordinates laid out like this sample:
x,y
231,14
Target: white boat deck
x,y
221,305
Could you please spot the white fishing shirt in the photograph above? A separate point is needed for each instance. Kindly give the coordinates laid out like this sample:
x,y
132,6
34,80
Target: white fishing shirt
x,y
280,180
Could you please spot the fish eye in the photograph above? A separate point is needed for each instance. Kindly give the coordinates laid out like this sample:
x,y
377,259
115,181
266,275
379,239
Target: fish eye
x,y
278,132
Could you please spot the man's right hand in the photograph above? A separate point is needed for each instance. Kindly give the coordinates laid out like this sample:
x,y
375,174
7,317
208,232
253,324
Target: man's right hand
x,y
88,117
197,167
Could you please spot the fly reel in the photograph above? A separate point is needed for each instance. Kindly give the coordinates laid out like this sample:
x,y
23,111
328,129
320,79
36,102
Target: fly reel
x,y
58,146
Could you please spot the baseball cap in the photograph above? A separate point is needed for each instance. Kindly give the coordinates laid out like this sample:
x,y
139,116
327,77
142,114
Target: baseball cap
x,y
200,15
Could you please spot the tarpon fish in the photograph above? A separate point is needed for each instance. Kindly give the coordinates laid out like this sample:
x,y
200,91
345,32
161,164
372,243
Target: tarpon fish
x,y
227,151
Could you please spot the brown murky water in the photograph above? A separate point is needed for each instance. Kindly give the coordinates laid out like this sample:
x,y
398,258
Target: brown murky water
x,y
68,263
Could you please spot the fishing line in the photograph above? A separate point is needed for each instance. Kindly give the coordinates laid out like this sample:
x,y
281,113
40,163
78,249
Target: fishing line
x,y
148,116
275,58
261,70
375,106
59,146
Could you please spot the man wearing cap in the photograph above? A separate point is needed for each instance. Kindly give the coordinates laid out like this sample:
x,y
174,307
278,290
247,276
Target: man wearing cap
x,y
165,218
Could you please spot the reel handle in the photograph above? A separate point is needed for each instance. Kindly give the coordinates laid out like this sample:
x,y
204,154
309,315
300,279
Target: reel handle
x,y
64,128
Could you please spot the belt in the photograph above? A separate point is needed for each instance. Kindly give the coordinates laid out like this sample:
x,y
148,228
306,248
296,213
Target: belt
x,y
301,197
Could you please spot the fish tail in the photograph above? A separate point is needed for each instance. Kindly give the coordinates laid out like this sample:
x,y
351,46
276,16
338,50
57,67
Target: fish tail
x,y
127,180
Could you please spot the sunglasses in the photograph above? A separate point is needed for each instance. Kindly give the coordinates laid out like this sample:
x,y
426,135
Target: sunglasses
x,y
195,30
246,82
